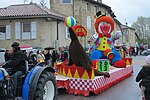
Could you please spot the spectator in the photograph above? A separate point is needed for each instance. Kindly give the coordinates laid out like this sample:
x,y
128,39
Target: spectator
x,y
144,78
25,54
130,51
57,54
135,50
54,57
66,55
7,55
32,59
40,57
122,52
48,58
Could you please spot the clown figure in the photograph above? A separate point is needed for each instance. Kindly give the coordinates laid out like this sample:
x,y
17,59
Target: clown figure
x,y
103,48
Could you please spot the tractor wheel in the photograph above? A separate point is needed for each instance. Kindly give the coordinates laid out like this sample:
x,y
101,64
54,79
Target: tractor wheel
x,y
46,87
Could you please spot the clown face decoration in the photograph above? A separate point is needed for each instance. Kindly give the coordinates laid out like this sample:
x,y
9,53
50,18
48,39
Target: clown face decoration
x,y
104,26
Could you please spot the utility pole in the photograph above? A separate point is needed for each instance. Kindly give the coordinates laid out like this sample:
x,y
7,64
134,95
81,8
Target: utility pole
x,y
73,8
25,1
57,38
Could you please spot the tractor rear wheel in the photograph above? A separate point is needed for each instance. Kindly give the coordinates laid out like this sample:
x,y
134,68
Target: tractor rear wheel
x,y
46,87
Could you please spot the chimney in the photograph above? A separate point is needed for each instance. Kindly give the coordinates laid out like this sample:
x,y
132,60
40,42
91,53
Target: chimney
x,y
99,1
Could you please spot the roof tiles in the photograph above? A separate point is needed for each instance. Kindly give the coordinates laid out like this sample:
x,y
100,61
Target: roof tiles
x,y
27,10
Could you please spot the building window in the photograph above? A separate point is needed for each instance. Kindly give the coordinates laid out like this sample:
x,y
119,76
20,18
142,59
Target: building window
x,y
87,7
26,27
2,29
26,30
95,9
2,32
5,32
66,1
88,22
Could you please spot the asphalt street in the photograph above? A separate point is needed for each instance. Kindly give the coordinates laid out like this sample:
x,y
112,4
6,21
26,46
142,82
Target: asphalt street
x,y
127,89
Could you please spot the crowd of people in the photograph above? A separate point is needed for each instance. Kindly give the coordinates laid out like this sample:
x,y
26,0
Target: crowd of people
x,y
16,58
49,56
131,51
62,54
135,50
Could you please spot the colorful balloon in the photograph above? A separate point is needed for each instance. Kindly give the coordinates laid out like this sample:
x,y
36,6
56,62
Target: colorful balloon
x,y
70,21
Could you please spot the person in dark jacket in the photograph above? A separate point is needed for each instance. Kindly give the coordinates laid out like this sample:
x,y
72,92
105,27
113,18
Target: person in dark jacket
x,y
16,63
66,55
144,78
7,55
32,59
48,58
54,57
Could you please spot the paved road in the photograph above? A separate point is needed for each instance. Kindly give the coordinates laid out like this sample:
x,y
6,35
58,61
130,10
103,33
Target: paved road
x,y
126,90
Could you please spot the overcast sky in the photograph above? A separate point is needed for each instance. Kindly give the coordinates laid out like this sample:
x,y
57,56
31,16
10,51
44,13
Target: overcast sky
x,y
125,10
5,3
129,9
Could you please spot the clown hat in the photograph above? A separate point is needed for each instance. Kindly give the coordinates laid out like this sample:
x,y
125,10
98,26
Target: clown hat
x,y
99,14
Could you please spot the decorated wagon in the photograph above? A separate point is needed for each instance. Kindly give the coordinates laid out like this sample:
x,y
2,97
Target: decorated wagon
x,y
105,67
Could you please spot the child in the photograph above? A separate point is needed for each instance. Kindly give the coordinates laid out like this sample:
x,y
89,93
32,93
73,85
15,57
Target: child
x,y
144,78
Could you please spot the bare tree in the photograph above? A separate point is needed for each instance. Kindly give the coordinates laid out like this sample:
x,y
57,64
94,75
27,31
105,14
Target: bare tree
x,y
142,27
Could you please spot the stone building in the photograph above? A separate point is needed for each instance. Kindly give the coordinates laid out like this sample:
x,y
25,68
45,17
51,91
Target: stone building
x,y
129,35
84,12
31,24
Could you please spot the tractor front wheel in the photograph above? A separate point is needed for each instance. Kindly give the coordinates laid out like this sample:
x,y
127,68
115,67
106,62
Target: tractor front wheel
x,y
46,87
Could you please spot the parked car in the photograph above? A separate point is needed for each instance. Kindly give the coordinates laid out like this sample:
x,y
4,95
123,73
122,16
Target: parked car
x,y
146,52
2,49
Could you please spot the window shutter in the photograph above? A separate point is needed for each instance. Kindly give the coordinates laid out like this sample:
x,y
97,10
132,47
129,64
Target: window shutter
x,y
8,32
2,36
17,30
67,33
88,22
33,30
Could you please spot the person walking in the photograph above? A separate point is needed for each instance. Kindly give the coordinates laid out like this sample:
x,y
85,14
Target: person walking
x,y
144,78
134,50
130,51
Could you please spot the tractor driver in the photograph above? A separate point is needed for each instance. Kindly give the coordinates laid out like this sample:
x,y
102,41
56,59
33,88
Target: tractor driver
x,y
16,63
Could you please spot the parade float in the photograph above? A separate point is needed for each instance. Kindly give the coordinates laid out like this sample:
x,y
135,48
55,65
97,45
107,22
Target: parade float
x,y
105,67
